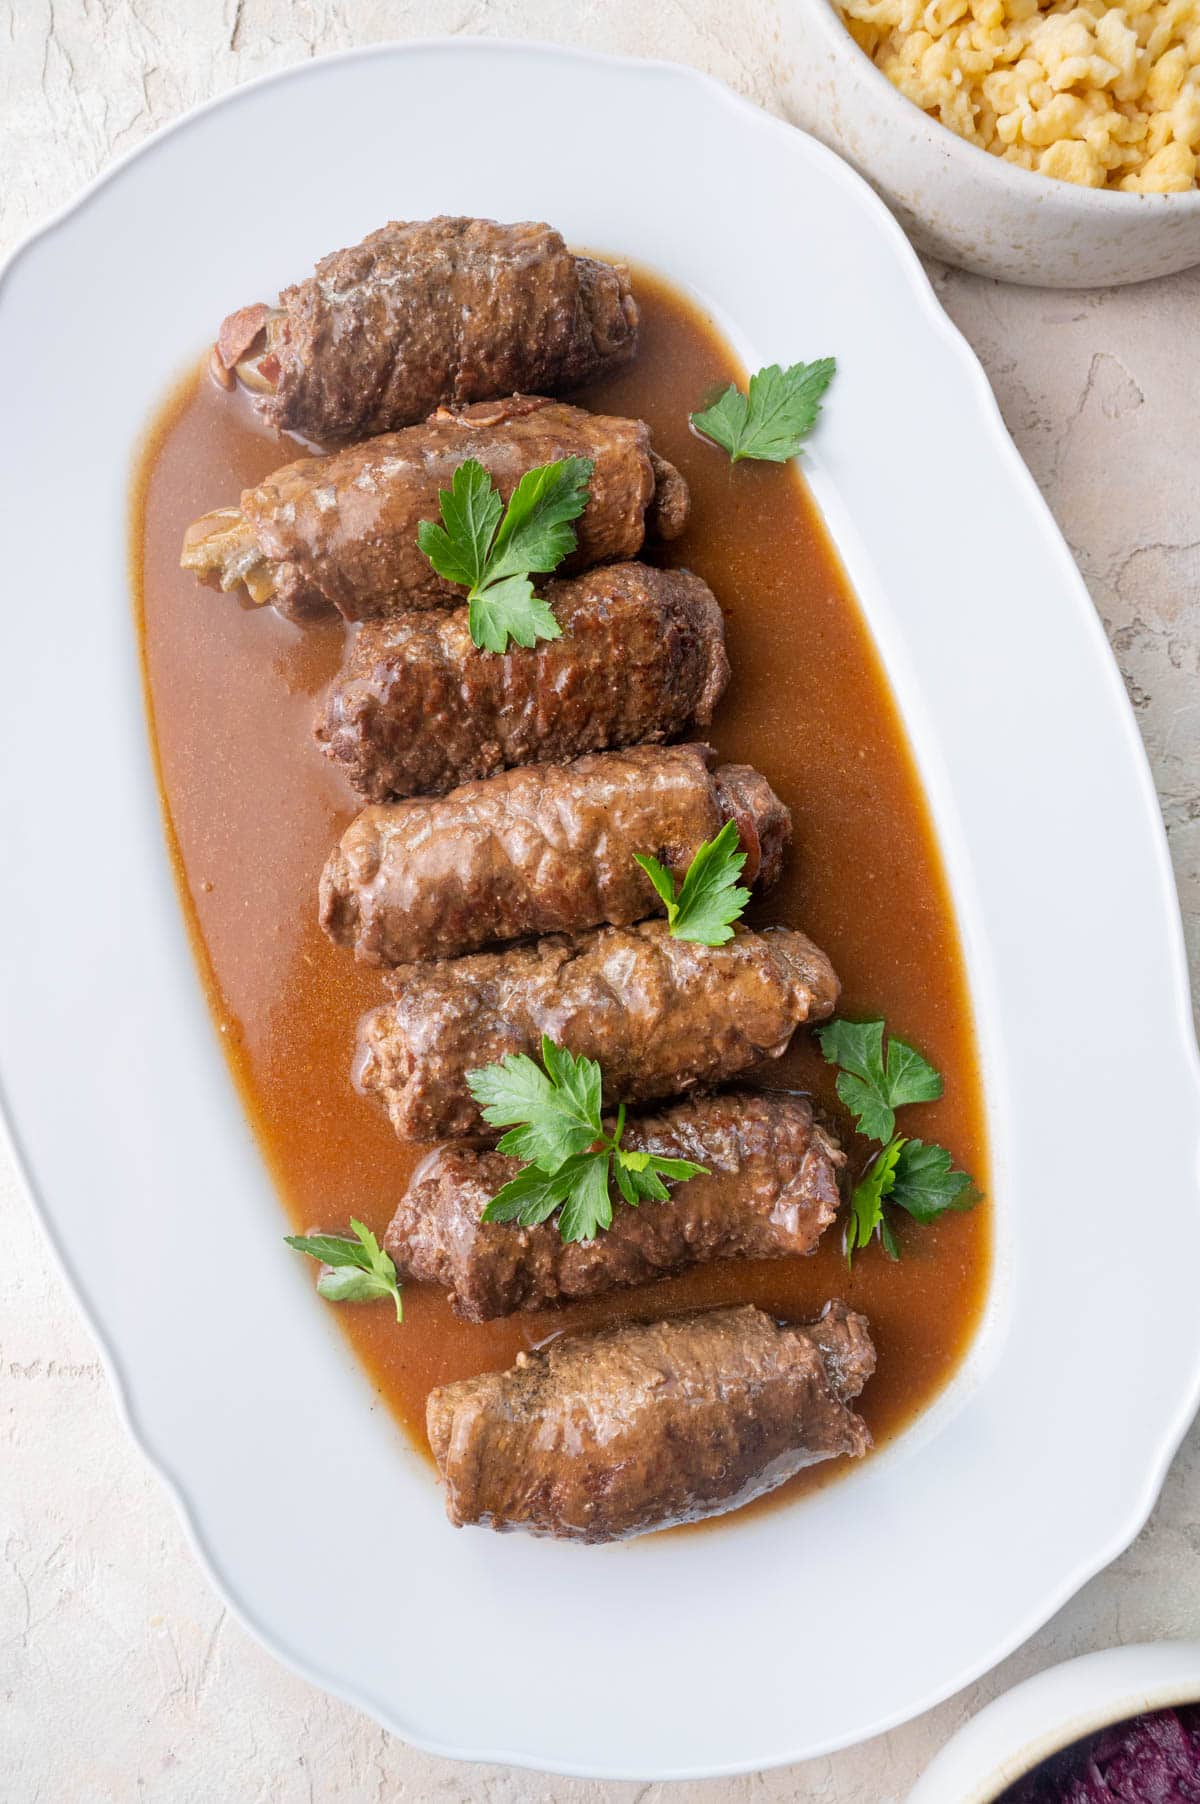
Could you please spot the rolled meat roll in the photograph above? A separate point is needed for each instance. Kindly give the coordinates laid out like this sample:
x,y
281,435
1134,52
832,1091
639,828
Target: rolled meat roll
x,y
659,1015
546,848
770,1192
601,1436
417,708
340,532
425,313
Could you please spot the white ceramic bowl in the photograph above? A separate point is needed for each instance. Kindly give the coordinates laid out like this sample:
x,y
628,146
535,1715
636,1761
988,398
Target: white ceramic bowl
x,y
1054,1709
960,203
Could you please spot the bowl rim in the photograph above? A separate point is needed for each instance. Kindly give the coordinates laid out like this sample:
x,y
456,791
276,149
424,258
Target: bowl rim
x,y
1126,1681
1109,202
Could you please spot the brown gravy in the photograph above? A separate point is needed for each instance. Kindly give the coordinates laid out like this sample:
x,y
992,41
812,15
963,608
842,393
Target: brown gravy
x,y
252,810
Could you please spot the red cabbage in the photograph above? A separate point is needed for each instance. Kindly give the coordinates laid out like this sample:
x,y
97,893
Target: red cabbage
x,y
1148,1760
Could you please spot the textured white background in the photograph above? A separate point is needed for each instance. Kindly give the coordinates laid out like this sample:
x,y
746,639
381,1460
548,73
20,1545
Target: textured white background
x,y
121,1675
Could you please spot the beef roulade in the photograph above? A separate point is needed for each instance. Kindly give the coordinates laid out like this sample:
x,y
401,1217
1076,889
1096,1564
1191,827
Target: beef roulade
x,y
769,1191
417,708
659,1015
545,848
339,533
429,313
605,1435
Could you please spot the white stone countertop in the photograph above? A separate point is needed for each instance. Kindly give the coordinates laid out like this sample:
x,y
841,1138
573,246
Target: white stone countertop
x,y
121,1675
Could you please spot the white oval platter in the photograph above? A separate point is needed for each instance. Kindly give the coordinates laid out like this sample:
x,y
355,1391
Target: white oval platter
x,y
802,1629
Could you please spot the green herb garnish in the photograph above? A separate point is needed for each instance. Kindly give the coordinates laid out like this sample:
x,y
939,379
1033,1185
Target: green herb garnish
x,y
874,1085
866,1203
771,420
710,897
361,1271
915,1177
926,1183
491,550
554,1123
912,1175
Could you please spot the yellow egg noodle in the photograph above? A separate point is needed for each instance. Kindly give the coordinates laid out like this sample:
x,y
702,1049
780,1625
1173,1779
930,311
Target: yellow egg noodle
x,y
1107,96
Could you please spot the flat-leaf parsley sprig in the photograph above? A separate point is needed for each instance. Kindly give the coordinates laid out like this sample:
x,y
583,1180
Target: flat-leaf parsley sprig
x,y
360,1271
874,1084
552,1112
773,418
907,1174
710,897
492,550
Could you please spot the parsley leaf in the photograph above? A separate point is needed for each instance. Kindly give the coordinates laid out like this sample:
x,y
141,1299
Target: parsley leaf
x,y
490,550
926,1183
532,1196
871,1085
558,1109
510,610
778,411
710,897
866,1202
471,510
361,1272
587,1209
640,1175
552,1113
917,1177
536,532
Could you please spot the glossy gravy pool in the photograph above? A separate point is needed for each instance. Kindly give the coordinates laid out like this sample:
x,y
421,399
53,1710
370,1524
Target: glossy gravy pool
x,y
252,810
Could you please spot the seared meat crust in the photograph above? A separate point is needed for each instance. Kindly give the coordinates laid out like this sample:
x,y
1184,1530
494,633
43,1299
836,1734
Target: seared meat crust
x,y
660,1015
437,312
605,1435
770,1192
417,708
545,848
340,531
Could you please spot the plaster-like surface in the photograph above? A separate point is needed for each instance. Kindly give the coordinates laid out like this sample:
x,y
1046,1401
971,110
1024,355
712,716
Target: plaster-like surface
x,y
121,1676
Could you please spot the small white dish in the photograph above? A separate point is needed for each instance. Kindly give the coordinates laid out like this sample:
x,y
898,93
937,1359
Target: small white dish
x,y
763,1640
960,203
1048,1712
